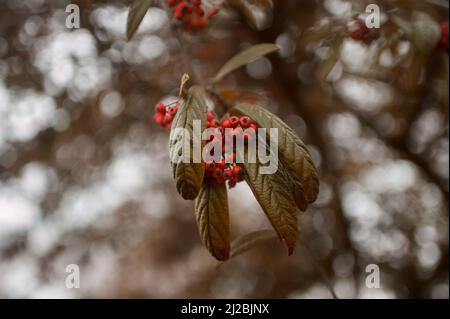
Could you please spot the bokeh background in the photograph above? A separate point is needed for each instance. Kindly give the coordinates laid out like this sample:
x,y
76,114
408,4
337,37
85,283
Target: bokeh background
x,y
85,176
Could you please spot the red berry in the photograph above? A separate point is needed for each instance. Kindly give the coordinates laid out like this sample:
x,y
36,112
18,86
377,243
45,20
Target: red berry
x,y
359,31
245,121
167,119
217,172
179,14
210,166
222,164
232,183
234,121
227,173
213,123
160,108
159,118
196,2
237,171
254,127
226,124
199,10
209,116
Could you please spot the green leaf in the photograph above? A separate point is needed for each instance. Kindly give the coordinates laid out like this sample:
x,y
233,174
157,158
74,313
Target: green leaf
x,y
257,13
137,12
188,175
246,242
292,150
244,57
273,194
211,211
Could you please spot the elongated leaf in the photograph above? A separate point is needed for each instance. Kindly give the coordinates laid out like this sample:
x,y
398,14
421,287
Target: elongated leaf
x,y
246,242
257,13
244,57
292,150
137,12
273,194
295,186
188,174
211,210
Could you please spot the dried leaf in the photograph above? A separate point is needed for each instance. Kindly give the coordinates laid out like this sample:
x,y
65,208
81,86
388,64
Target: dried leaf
x,y
246,242
292,150
273,194
137,12
257,13
296,186
188,175
244,57
211,210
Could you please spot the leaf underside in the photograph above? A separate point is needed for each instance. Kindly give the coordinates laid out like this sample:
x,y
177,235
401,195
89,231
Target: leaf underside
x,y
292,151
137,12
188,176
274,195
211,210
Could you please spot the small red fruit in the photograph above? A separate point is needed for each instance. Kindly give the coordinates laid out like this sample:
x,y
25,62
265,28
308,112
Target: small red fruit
x,y
217,172
232,183
237,171
210,166
234,121
245,121
226,124
159,118
160,108
213,123
227,173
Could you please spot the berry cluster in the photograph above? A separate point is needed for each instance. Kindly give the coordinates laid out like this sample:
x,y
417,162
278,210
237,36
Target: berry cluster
x,y
224,135
443,43
164,114
358,31
230,130
192,14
